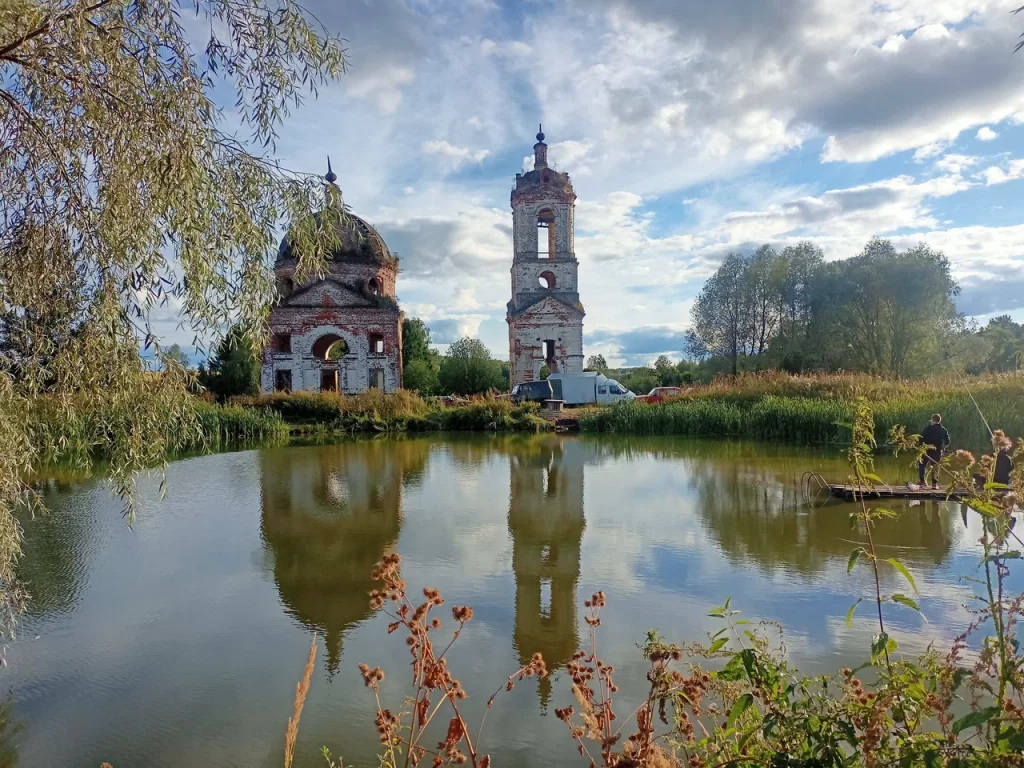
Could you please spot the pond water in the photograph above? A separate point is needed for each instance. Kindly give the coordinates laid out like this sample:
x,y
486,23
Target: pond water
x,y
180,642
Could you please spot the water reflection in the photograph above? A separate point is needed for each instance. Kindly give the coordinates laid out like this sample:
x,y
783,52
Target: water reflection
x,y
546,521
646,519
329,513
756,514
56,548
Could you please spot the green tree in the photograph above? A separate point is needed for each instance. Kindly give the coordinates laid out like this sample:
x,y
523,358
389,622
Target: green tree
x,y
720,314
640,380
897,311
762,289
1005,341
421,375
420,361
176,354
415,340
115,149
796,269
468,369
596,363
234,369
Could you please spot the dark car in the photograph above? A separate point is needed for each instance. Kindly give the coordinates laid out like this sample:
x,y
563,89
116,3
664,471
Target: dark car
x,y
532,392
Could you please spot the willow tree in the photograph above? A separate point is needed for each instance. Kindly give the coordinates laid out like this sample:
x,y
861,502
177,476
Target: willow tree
x,y
127,188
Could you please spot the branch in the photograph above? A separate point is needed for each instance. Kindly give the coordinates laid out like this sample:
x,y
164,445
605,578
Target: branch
x,y
48,23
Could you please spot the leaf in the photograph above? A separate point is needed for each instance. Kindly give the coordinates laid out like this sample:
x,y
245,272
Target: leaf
x,y
718,644
853,558
738,708
904,600
882,643
733,670
849,613
903,570
974,719
739,667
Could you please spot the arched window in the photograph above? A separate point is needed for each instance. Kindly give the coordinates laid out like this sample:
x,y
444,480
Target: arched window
x,y
547,280
330,347
285,287
337,350
373,286
546,239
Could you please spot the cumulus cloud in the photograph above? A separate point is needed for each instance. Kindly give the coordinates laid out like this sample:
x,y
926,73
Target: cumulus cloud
x,y
646,342
986,134
457,156
652,103
996,174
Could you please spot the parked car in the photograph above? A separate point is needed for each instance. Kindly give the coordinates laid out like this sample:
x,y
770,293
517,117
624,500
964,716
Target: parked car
x,y
660,395
532,392
587,387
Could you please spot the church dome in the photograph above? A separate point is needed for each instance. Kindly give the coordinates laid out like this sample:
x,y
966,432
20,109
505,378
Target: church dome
x,y
357,242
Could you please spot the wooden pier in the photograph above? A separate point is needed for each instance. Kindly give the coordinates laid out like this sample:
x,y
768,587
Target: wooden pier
x,y
852,493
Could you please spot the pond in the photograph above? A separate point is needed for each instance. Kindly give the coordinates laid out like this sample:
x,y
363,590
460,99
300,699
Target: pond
x,y
180,641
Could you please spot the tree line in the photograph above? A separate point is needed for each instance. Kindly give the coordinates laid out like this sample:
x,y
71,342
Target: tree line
x,y
884,311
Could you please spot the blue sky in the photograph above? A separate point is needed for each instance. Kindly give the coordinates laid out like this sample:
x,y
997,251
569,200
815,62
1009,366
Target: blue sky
x,y
690,128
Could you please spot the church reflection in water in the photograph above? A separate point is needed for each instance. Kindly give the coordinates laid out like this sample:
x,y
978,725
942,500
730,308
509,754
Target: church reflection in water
x,y
329,514
545,519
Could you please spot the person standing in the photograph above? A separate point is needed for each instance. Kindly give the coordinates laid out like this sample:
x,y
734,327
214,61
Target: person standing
x,y
935,438
1004,462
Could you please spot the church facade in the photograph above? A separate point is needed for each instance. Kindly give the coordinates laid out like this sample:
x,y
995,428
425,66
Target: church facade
x,y
342,332
545,316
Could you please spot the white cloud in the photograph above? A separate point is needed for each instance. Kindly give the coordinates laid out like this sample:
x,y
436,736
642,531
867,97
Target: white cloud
x,y
998,175
458,156
954,163
986,134
506,48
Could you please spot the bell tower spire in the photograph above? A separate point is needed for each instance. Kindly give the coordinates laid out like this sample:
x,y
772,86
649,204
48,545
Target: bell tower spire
x,y
540,150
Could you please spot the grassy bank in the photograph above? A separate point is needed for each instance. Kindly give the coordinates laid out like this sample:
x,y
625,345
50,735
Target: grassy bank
x,y
403,411
811,409
76,429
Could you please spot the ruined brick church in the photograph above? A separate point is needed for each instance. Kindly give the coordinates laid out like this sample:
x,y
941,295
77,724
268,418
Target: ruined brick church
x,y
343,332
545,316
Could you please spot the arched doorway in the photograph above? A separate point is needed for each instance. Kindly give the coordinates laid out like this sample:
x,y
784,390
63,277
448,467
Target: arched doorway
x,y
331,349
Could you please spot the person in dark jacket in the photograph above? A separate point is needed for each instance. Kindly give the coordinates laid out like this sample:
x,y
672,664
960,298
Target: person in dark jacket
x,y
1004,463
936,439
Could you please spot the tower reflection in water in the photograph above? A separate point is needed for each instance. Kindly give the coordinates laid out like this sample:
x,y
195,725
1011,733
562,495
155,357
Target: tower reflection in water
x,y
545,519
329,514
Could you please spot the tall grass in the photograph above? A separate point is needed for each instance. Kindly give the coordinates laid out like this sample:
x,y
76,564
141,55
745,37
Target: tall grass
x,y
401,411
221,425
813,409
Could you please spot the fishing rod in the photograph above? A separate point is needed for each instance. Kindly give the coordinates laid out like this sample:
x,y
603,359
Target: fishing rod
x,y
970,394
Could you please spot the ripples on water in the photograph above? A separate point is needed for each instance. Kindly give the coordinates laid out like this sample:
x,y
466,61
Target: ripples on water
x,y
180,642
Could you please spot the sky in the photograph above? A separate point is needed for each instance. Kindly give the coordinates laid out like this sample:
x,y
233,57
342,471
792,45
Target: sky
x,y
689,128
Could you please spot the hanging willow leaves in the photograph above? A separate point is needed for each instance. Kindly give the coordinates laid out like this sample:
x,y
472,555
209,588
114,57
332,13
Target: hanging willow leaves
x,y
124,193
903,570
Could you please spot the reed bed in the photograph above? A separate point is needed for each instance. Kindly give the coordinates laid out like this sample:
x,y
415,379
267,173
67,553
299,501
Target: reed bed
x,y
225,425
402,411
814,409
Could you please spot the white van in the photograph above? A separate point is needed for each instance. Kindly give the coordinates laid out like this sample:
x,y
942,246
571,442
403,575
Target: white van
x,y
586,388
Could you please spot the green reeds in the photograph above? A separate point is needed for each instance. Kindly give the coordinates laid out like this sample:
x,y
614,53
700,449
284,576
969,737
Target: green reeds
x,y
813,409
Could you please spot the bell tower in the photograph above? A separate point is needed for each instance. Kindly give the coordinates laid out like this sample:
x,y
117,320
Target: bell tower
x,y
545,316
